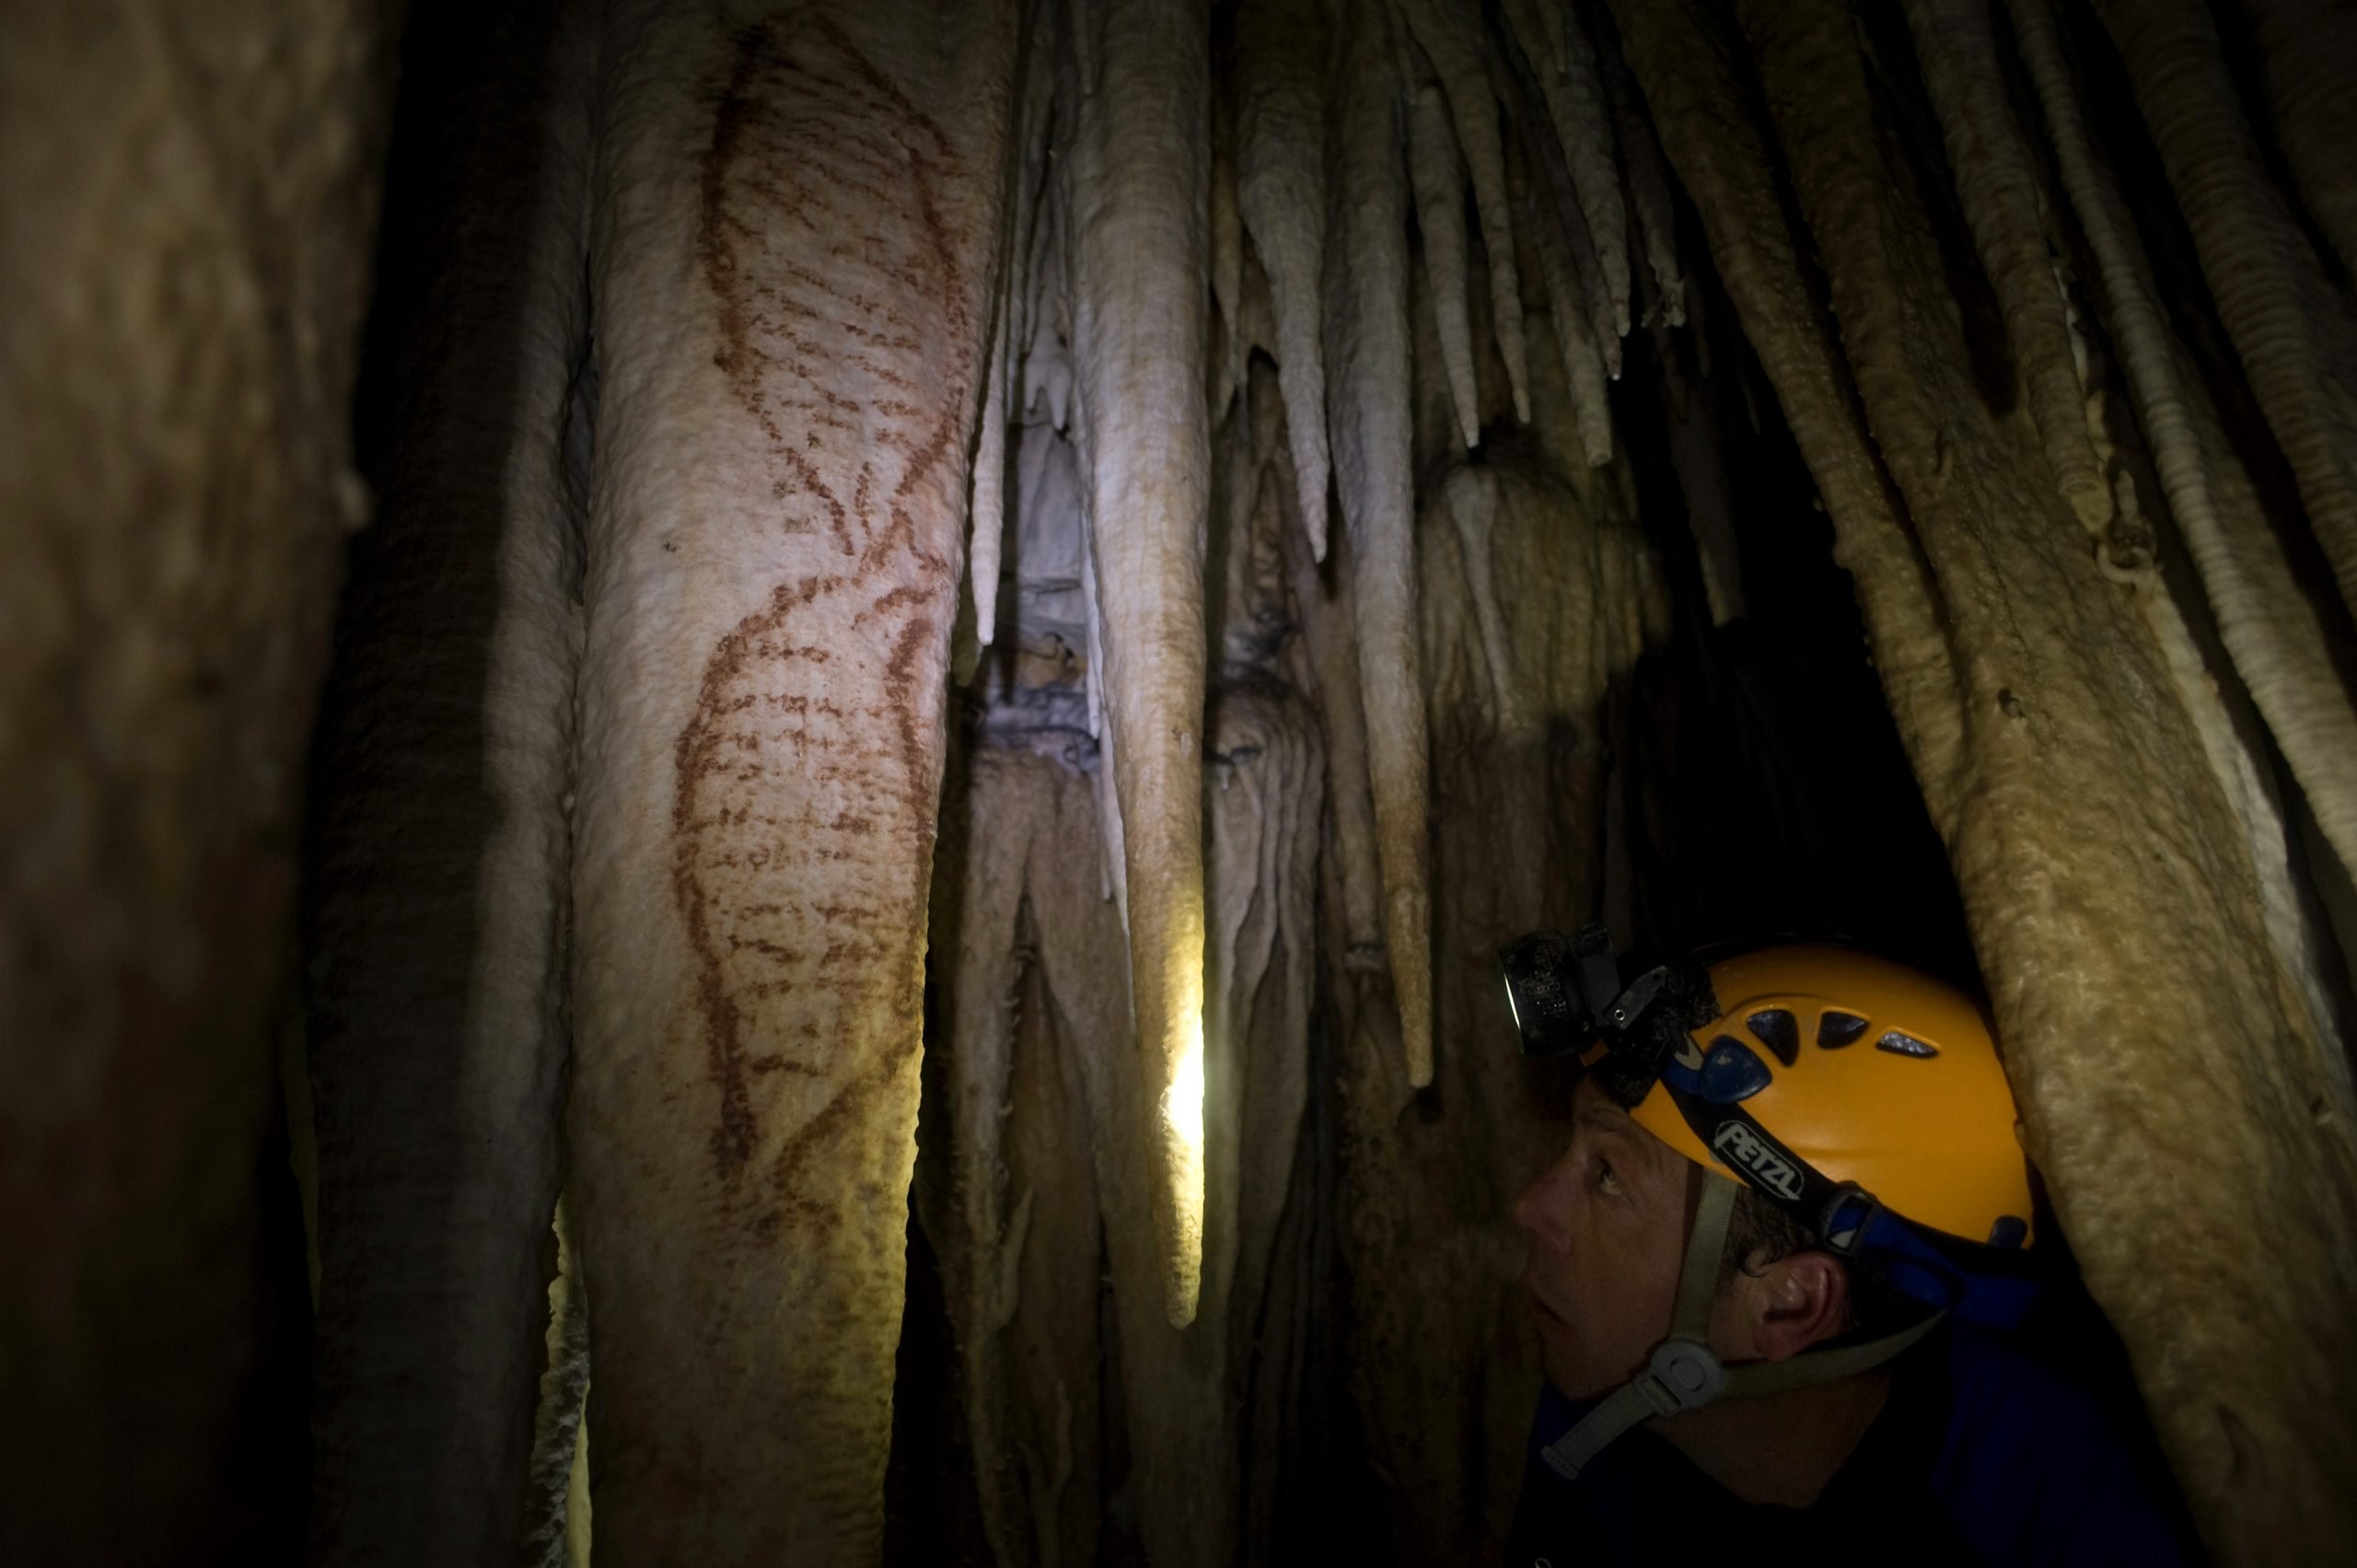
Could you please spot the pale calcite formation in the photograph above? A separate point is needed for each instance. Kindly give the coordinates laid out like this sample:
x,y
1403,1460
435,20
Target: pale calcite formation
x,y
794,244
1133,184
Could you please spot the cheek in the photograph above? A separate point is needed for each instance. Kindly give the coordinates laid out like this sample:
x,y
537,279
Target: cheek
x,y
1616,1296
1622,1293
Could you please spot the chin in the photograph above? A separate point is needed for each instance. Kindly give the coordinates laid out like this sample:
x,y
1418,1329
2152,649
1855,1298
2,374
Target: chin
x,y
1574,1374
1575,1380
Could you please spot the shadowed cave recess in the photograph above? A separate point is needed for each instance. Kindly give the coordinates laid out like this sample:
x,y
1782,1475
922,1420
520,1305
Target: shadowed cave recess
x,y
763,761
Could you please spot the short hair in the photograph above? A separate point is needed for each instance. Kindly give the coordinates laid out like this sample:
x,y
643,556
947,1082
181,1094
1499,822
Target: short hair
x,y
1759,1233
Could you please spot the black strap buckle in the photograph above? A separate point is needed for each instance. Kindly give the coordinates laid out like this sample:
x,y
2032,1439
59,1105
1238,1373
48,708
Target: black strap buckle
x,y
1846,1217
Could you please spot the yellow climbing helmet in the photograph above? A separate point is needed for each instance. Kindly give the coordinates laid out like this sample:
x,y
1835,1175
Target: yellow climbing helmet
x,y
1863,1100
1872,1072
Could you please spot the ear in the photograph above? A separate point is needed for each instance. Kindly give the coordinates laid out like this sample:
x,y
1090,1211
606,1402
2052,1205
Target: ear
x,y
1795,1302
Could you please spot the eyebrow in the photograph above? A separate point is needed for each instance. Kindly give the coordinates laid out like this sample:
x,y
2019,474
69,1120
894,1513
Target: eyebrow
x,y
1605,1119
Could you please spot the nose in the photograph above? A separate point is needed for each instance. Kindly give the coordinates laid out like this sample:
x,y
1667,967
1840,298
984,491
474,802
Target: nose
x,y
1539,1209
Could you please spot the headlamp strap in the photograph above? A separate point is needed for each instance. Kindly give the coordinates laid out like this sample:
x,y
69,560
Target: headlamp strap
x,y
1685,1373
1706,1245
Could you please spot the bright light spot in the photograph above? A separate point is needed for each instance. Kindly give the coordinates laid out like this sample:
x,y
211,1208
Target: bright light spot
x,y
1182,1120
1185,1102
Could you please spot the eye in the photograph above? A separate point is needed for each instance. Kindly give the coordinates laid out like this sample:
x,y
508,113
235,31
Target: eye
x,y
1607,1181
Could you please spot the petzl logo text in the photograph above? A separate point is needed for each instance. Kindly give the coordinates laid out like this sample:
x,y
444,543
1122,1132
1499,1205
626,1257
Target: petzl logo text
x,y
1746,1152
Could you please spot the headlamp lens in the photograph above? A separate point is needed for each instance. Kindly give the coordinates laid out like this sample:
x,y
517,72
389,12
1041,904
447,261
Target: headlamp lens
x,y
1552,1015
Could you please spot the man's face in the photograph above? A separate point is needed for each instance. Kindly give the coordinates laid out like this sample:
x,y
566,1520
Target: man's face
x,y
1607,1228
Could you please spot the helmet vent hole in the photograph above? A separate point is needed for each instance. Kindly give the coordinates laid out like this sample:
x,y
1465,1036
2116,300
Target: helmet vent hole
x,y
1899,1043
1776,1029
1837,1030
1732,1072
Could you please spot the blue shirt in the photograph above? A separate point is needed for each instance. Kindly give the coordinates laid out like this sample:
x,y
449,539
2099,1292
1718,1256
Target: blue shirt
x,y
1981,1455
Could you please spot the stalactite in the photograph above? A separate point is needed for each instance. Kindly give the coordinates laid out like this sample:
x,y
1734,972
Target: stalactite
x,y
2294,330
2228,739
1450,34
1681,60
1329,656
1280,146
1542,223
1548,197
1652,211
1990,163
1698,456
1572,96
2073,724
2279,643
1136,195
988,514
2305,48
1020,313
1367,353
1229,366
1440,220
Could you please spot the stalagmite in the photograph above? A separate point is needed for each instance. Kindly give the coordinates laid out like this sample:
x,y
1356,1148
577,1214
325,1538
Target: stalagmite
x,y
1440,220
792,370
1367,350
1990,163
1450,33
2294,330
2279,643
1017,1228
2305,48
1281,188
1470,497
1135,196
1572,96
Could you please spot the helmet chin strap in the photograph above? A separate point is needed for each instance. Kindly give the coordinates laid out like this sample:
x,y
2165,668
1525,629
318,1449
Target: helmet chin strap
x,y
1685,1373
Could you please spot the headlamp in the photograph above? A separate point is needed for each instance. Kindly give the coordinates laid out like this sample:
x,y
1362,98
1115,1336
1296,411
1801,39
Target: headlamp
x,y
1559,984
1570,994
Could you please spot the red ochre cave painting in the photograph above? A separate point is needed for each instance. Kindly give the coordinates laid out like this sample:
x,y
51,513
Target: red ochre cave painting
x,y
806,776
